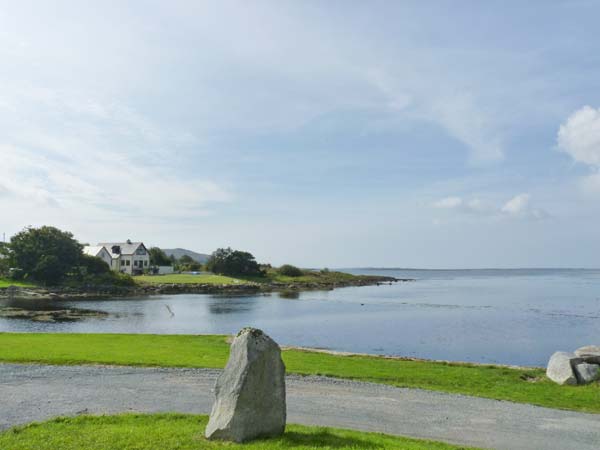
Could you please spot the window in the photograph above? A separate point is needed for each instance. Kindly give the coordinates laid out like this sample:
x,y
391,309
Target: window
x,y
128,262
146,263
123,262
135,263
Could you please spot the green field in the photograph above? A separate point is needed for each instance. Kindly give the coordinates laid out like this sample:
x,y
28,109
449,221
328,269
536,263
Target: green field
x,y
185,432
181,278
502,383
5,282
271,277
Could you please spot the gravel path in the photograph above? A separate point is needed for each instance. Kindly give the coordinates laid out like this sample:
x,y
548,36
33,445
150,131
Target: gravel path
x,y
38,392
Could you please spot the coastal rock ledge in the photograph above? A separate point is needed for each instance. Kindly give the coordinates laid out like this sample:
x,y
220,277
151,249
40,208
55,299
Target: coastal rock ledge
x,y
250,393
580,367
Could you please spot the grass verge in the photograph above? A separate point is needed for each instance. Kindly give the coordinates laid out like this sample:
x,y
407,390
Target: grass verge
x,y
182,278
502,383
185,432
272,276
6,282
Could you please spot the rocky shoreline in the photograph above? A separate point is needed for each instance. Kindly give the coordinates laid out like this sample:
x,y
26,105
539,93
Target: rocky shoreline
x,y
53,315
91,292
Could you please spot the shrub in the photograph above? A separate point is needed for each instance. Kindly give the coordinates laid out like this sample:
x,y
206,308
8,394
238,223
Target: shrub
x,y
226,261
90,265
290,271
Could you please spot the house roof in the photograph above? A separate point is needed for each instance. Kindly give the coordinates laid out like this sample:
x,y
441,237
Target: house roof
x,y
92,250
127,248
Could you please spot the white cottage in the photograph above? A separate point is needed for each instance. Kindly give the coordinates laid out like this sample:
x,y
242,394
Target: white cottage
x,y
126,257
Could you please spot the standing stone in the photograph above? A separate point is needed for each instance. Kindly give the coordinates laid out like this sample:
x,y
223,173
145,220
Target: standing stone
x,y
560,368
589,353
250,393
586,373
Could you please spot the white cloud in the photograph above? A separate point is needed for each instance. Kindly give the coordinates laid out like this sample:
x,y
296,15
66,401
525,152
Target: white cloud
x,y
591,184
460,115
518,206
472,206
579,136
449,203
104,162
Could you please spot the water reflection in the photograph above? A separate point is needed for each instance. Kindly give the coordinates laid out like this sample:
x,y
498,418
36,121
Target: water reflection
x,y
230,305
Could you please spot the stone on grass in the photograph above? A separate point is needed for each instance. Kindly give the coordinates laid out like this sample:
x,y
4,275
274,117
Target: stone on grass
x,y
560,368
586,373
589,353
250,393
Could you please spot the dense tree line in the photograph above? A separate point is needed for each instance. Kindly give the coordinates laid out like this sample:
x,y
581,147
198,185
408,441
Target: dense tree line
x,y
51,256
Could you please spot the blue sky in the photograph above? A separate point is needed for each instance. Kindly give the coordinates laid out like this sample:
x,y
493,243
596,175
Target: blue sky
x,y
411,134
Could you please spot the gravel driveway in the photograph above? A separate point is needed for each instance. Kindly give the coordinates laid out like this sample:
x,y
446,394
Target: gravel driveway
x,y
38,392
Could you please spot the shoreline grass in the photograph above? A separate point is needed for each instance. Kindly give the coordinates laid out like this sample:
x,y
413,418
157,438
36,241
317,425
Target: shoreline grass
x,y
6,282
182,278
520,385
272,276
186,432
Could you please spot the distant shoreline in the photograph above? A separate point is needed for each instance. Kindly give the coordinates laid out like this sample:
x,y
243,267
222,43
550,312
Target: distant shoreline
x,y
147,289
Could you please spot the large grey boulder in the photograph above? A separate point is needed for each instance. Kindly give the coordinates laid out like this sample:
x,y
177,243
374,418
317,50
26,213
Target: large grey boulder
x,y
560,368
589,353
586,373
250,393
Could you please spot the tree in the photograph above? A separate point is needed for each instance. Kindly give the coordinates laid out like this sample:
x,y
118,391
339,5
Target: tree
x,y
290,271
158,257
226,261
186,259
92,265
4,261
44,254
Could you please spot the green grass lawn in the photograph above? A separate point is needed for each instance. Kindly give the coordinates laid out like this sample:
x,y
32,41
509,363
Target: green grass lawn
x,y
185,432
272,276
502,383
5,282
182,278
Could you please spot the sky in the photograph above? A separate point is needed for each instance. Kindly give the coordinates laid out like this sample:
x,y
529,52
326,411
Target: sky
x,y
441,134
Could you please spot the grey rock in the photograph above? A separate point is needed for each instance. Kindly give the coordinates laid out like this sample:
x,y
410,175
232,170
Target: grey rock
x,y
589,353
586,373
560,368
250,393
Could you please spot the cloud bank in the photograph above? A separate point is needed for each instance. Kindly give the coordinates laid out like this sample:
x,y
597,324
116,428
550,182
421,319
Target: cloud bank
x,y
517,206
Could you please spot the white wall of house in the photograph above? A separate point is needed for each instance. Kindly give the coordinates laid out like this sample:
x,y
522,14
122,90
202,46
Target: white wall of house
x,y
105,256
131,264
165,270
130,258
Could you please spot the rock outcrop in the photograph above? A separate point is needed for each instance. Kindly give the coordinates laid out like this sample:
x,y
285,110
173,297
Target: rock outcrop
x,y
250,393
560,368
590,353
586,373
580,367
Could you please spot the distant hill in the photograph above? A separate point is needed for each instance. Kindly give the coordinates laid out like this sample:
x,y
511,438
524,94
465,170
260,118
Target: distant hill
x,y
179,252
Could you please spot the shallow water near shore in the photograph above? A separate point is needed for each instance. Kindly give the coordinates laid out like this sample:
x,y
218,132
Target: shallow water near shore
x,y
491,316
